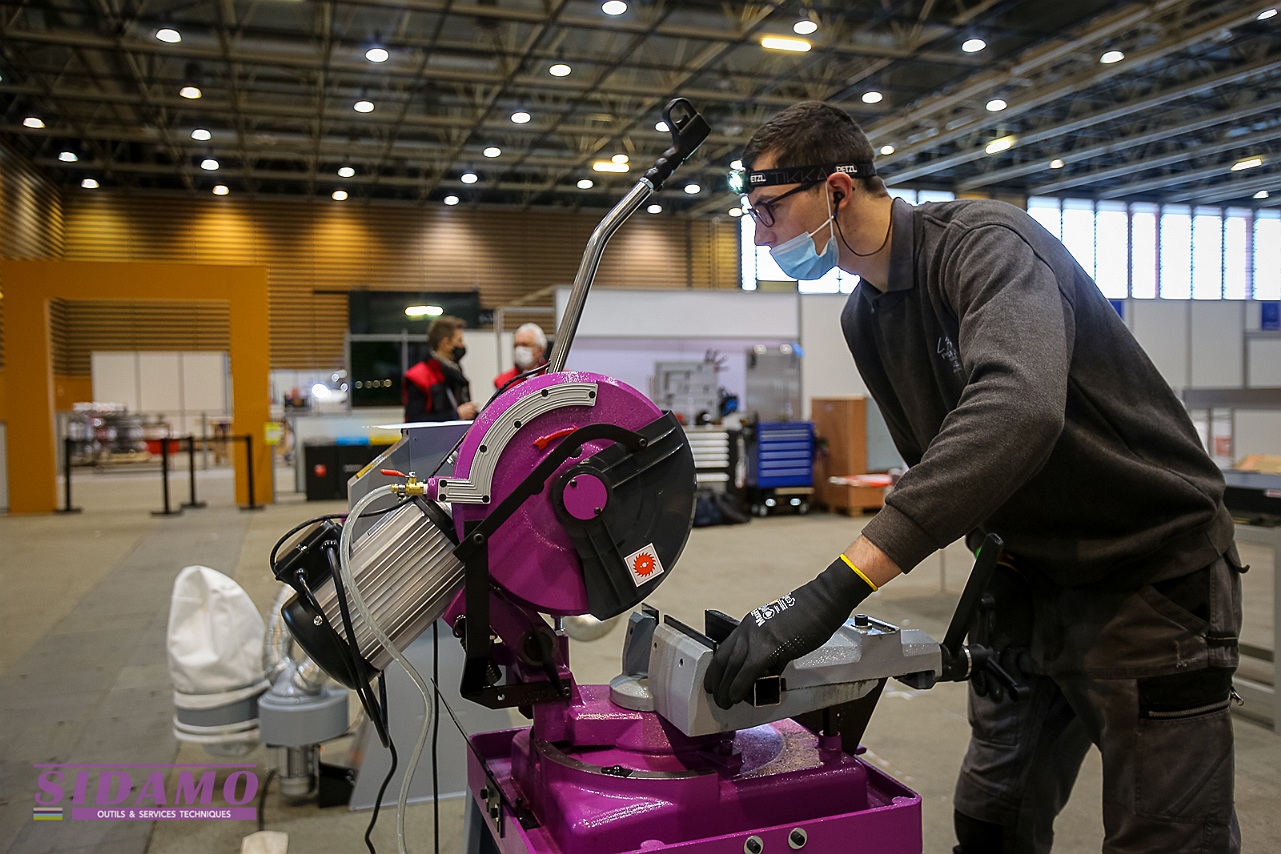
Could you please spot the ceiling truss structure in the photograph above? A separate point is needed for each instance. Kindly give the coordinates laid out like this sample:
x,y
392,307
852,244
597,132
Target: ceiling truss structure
x,y
1198,90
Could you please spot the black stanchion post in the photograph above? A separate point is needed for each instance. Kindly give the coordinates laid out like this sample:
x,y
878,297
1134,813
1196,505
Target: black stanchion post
x,y
164,477
249,464
191,471
67,444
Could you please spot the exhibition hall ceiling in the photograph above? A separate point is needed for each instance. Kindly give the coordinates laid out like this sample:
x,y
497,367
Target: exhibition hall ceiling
x,y
521,103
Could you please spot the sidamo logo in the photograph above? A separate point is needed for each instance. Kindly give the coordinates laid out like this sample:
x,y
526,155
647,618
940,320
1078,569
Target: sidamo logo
x,y
144,792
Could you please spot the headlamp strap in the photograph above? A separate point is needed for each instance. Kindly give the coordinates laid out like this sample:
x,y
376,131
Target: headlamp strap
x,y
804,174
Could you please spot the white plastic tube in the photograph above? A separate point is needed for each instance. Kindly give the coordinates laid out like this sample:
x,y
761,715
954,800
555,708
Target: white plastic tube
x,y
357,599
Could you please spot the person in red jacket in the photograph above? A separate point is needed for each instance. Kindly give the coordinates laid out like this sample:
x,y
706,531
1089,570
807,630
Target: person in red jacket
x,y
529,350
436,389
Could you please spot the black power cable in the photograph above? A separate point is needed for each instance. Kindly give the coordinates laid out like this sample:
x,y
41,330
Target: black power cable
x,y
435,730
262,796
391,747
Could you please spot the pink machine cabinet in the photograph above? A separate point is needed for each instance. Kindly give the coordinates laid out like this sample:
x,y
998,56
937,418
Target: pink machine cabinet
x,y
775,787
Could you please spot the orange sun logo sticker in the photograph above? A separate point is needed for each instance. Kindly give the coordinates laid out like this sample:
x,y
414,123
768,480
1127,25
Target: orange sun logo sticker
x,y
644,565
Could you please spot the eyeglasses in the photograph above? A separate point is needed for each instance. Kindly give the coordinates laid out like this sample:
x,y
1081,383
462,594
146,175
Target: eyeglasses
x,y
763,211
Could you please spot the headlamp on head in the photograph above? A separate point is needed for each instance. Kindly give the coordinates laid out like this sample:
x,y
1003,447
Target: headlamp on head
x,y
743,181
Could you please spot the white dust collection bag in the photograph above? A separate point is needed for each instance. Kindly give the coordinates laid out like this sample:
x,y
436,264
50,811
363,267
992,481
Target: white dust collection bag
x,y
215,661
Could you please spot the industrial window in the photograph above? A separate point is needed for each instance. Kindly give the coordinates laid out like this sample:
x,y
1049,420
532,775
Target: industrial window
x,y
1142,250
1176,252
1237,274
1112,258
1267,255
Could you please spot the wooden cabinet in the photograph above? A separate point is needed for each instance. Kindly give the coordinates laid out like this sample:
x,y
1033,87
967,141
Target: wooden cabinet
x,y
840,428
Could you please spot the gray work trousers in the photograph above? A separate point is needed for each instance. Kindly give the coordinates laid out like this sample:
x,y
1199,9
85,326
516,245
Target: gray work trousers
x,y
1143,675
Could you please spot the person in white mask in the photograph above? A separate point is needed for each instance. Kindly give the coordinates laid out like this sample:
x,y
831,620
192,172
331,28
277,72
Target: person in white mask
x,y
1026,409
529,351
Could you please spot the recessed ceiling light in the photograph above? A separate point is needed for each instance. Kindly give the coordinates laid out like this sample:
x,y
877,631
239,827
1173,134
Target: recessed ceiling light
x,y
973,45
363,106
784,43
996,105
169,35
1263,16
469,178
586,183
377,54
67,156
560,69
735,212
191,93
654,209
662,127
89,183
613,7
1111,56
201,134
338,195
693,189
451,200
1262,194
805,27
346,172
521,117
423,311
492,151
1005,143
873,97
1056,163
1247,163
887,150
608,166
209,164
32,122
620,158
736,164
221,190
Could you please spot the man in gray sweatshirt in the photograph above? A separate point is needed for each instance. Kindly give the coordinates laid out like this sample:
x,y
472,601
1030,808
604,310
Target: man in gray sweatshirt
x,y
1023,407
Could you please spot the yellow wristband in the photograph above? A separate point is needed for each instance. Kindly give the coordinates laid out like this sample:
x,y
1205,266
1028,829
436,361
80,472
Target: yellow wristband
x,y
859,572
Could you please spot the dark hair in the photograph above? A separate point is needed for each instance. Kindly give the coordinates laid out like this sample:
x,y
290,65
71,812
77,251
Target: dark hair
x,y
813,133
442,329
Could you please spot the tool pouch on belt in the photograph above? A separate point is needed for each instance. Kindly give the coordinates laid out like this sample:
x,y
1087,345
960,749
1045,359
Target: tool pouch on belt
x,y
1004,622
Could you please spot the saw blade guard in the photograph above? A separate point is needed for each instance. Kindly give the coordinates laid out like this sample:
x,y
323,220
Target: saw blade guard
x,y
609,521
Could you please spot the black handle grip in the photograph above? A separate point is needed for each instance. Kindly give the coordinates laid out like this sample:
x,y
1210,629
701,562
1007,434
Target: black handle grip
x,y
688,130
984,565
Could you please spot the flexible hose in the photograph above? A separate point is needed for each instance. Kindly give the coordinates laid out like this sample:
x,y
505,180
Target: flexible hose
x,y
358,599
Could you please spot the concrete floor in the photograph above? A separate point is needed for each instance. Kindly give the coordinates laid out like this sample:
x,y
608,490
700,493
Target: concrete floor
x,y
83,674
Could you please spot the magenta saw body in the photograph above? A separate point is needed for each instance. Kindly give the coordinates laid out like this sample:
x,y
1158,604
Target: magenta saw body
x,y
624,784
530,556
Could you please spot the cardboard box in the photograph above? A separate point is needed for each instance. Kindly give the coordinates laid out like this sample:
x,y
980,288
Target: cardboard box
x,y
1259,463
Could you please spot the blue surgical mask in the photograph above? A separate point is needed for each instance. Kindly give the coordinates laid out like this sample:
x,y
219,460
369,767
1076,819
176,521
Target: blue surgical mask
x,y
798,258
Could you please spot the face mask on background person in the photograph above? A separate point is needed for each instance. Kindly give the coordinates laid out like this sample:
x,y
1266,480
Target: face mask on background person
x,y
458,353
798,258
524,357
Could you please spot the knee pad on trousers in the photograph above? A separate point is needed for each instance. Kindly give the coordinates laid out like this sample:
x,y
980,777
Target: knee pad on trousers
x,y
977,837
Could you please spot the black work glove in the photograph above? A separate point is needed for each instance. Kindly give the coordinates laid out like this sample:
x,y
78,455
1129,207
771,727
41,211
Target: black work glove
x,y
784,630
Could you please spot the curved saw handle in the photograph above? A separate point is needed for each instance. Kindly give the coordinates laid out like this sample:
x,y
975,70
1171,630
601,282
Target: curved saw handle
x,y
688,130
